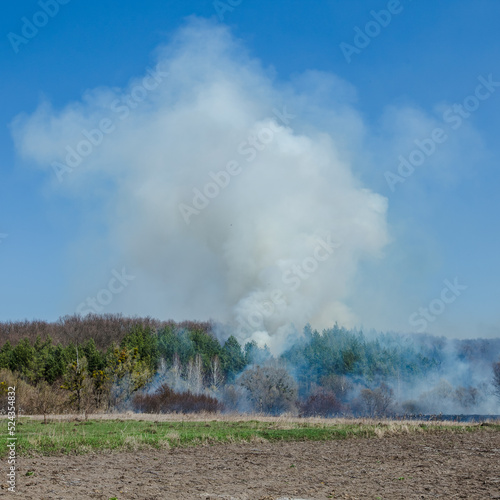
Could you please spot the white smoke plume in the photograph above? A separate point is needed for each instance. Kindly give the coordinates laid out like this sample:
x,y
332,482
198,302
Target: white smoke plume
x,y
227,194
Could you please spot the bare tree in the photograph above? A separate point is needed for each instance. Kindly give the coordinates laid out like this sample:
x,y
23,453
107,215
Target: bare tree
x,y
439,399
378,401
176,371
216,375
467,397
170,375
195,375
46,399
233,397
271,389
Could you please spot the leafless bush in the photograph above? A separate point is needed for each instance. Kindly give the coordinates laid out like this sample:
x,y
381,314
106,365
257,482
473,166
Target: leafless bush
x,y
24,392
447,399
166,400
411,407
271,389
375,402
47,400
321,403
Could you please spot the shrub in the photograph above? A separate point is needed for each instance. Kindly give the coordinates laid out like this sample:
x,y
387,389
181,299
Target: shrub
x,y
410,407
320,404
166,400
24,392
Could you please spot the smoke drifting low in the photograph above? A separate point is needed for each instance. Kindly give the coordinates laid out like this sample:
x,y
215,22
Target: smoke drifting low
x,y
227,194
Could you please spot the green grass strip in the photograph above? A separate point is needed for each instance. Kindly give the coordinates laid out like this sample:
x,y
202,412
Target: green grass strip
x,y
78,437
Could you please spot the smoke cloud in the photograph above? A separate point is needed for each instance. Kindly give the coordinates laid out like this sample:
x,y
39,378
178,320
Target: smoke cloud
x,y
226,193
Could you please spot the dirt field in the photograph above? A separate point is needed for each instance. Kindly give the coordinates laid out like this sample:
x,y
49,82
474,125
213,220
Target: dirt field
x,y
442,465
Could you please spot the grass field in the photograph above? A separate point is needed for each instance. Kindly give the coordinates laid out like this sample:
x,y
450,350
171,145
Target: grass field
x,y
76,436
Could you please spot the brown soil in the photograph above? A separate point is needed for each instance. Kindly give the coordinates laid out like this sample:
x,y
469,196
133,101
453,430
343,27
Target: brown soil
x,y
438,465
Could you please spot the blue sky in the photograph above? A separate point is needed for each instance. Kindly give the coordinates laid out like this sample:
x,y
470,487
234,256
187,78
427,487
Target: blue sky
x,y
65,240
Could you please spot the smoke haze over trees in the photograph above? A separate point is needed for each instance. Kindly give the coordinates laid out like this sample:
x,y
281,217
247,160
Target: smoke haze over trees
x,y
102,363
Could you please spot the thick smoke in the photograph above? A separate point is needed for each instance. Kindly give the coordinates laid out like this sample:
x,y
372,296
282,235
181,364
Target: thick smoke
x,y
227,194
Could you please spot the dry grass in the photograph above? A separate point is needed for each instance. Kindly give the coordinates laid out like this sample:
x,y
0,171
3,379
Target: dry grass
x,y
283,422
131,431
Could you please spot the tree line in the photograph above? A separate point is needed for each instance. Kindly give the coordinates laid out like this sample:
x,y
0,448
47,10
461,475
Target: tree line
x,y
104,363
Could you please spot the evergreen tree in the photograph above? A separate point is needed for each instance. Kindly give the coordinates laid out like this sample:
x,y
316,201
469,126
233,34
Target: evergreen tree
x,y
232,358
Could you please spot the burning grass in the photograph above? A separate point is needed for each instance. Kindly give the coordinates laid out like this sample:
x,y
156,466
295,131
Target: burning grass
x,y
132,432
